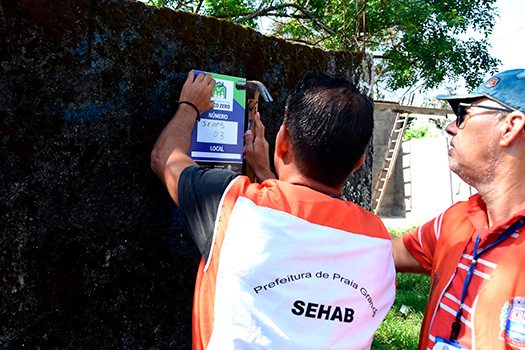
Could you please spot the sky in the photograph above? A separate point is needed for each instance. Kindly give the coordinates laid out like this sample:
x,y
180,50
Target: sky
x,y
508,45
507,39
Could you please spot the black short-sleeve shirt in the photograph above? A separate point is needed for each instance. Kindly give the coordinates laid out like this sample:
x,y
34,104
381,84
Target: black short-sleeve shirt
x,y
200,192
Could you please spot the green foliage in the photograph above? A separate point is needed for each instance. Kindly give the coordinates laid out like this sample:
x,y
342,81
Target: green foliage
x,y
233,10
401,327
422,42
417,132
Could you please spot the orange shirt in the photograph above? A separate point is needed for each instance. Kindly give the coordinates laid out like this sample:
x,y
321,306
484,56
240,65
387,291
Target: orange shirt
x,y
326,290
444,247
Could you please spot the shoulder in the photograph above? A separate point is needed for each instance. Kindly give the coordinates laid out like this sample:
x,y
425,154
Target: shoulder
x,y
313,206
201,189
457,219
204,178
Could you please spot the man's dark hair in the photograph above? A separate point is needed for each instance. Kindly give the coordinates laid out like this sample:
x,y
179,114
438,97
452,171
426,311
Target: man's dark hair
x,y
330,123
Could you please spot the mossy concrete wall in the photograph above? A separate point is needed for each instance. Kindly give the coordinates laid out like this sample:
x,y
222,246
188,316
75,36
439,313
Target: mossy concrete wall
x,y
92,255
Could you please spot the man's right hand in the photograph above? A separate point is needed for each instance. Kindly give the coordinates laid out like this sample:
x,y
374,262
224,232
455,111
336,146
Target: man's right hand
x,y
198,90
256,150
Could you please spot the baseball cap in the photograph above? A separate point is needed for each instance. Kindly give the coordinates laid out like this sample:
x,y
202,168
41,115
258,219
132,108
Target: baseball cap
x,y
507,88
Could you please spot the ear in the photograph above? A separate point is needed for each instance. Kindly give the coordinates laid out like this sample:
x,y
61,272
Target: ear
x,y
282,143
358,165
514,126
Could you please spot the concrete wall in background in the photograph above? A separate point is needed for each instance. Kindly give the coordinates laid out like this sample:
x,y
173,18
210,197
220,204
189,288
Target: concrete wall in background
x,y
393,203
422,185
92,255
430,187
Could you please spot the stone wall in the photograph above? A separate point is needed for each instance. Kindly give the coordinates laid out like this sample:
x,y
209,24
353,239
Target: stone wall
x,y
92,254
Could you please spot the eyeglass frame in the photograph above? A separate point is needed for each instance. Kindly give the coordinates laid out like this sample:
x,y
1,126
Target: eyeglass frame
x,y
460,118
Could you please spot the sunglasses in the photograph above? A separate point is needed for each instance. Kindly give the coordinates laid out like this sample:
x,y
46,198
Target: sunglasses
x,y
462,111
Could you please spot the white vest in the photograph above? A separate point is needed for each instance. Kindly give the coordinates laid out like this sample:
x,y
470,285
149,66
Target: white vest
x,y
286,283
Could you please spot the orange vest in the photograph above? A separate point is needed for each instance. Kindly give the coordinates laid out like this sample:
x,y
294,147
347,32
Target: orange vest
x,y
314,208
507,281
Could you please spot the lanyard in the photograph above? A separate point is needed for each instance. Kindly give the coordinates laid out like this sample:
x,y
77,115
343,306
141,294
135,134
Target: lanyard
x,y
456,325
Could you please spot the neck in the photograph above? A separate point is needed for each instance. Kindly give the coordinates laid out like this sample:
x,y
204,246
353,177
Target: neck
x,y
502,183
504,197
298,179
331,191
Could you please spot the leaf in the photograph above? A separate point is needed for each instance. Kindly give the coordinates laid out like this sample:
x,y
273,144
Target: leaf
x,y
415,41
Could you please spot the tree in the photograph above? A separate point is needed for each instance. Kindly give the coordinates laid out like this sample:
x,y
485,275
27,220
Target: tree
x,y
423,42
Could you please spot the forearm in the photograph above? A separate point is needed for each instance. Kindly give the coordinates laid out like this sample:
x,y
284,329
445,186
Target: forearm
x,y
170,153
404,261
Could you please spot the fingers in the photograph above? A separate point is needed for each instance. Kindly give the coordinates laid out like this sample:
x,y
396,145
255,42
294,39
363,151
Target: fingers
x,y
258,125
256,146
256,150
260,138
198,90
205,79
248,138
209,80
190,78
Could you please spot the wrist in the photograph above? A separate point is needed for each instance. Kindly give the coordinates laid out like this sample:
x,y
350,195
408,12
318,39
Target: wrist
x,y
190,105
265,175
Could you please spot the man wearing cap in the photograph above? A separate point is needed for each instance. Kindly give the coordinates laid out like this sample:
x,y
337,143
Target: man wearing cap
x,y
475,250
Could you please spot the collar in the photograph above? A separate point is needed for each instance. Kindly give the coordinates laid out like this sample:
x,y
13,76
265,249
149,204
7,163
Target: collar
x,y
477,213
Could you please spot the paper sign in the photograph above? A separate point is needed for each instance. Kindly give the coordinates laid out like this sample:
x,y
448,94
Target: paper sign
x,y
217,139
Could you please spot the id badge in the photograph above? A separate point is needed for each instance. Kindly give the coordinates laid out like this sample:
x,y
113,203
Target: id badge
x,y
445,344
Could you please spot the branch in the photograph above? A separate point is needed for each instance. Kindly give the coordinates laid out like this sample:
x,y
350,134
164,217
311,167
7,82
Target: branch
x,y
301,41
199,6
320,40
267,11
